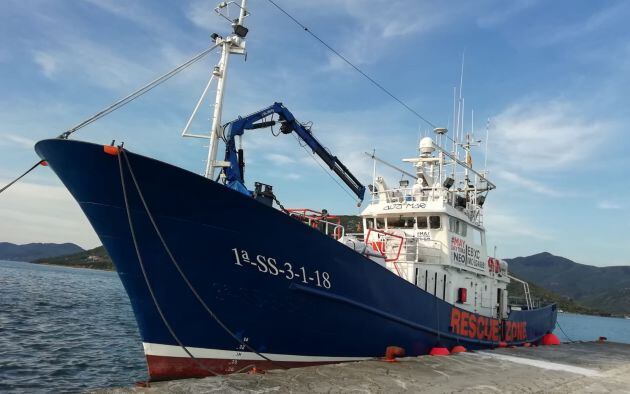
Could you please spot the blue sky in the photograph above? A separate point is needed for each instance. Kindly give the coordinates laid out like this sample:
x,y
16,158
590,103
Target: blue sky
x,y
552,77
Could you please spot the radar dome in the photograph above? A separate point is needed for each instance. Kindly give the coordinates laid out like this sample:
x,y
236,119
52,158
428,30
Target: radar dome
x,y
426,146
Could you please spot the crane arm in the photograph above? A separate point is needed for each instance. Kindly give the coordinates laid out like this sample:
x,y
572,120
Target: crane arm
x,y
234,157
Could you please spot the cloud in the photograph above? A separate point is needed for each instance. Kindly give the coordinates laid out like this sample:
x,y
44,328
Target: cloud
x,y
13,139
46,62
608,205
33,212
201,13
529,184
502,13
600,20
551,135
504,225
279,159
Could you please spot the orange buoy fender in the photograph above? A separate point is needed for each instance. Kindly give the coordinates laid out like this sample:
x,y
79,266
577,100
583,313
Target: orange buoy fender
x,y
502,344
439,351
550,339
458,349
392,352
110,150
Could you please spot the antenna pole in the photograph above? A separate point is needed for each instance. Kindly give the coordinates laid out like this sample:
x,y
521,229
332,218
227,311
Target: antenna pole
x,y
221,74
234,43
485,165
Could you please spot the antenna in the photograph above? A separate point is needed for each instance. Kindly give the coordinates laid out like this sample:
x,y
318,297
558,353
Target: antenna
x,y
485,165
472,123
454,114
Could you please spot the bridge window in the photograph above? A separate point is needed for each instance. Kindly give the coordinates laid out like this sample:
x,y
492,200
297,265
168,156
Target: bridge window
x,y
477,237
422,222
434,222
369,223
380,223
400,222
457,226
453,225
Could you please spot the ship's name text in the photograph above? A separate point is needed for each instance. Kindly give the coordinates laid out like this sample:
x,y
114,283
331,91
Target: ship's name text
x,y
271,266
406,205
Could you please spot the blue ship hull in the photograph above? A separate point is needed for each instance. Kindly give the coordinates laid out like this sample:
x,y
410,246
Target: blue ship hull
x,y
286,291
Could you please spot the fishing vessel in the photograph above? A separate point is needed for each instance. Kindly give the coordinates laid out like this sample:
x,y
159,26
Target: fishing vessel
x,y
222,278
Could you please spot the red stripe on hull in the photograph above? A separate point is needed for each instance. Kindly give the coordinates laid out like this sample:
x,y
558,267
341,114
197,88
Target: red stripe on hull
x,y
168,368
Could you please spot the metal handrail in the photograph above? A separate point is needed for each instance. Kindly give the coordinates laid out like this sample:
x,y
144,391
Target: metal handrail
x,y
402,195
338,231
528,297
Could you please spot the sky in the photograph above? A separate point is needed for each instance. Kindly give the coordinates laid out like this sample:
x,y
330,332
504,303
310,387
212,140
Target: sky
x,y
549,79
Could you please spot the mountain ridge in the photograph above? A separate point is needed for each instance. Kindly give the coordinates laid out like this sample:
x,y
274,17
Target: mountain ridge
x,y
36,250
603,288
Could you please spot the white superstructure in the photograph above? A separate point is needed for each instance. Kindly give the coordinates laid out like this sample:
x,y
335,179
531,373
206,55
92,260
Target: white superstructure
x,y
430,231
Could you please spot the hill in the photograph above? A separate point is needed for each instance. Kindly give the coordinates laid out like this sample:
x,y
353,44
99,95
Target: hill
x,y
96,258
516,292
602,288
33,251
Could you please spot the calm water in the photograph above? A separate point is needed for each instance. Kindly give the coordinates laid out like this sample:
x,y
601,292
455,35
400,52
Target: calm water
x,y
65,329
72,329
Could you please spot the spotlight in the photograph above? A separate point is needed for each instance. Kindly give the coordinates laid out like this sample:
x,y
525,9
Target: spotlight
x,y
448,182
240,30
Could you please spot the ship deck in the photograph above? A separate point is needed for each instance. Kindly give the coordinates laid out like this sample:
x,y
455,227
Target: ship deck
x,y
570,367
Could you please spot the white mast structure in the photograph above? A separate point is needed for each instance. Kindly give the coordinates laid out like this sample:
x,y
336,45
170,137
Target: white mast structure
x,y
232,44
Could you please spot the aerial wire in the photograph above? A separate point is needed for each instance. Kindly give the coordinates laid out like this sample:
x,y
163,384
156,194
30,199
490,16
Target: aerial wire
x,y
355,67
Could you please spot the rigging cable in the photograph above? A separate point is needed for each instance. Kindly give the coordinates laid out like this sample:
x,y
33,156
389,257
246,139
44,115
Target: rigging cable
x,y
123,101
146,88
355,67
312,156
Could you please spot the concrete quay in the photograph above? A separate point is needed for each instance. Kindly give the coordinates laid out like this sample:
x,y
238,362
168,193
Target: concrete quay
x,y
581,367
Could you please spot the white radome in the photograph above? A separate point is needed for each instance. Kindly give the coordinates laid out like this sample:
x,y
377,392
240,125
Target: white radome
x,y
426,146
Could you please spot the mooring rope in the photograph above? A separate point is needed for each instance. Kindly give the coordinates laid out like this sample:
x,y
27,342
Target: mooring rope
x,y
177,266
565,334
8,185
144,273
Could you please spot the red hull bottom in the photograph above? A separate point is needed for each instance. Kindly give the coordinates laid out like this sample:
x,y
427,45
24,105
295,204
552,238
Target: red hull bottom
x,y
169,368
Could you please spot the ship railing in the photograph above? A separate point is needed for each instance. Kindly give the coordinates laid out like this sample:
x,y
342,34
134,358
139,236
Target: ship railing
x,y
526,292
400,248
522,302
402,195
327,224
419,250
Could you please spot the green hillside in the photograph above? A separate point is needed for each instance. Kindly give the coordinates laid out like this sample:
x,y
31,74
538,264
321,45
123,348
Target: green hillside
x,y
96,258
515,290
603,288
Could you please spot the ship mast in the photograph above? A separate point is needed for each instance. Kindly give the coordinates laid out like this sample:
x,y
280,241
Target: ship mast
x,y
232,44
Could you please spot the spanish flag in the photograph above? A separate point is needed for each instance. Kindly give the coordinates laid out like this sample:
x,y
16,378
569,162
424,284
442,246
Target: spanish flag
x,y
468,159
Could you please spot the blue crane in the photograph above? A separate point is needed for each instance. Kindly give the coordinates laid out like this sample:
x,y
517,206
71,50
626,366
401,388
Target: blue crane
x,y
234,170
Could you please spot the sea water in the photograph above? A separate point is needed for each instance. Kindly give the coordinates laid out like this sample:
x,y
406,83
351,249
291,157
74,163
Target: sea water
x,y
72,329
